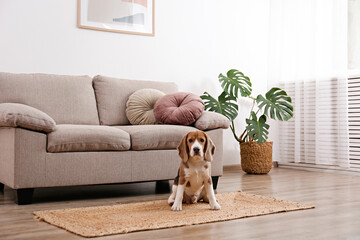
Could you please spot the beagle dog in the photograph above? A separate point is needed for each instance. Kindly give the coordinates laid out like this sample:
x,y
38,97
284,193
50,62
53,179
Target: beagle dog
x,y
193,182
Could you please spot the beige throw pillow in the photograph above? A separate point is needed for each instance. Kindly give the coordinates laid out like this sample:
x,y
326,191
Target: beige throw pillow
x,y
20,115
140,106
211,120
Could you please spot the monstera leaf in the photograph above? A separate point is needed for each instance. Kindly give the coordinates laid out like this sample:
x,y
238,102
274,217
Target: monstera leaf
x,y
235,82
257,130
225,105
276,104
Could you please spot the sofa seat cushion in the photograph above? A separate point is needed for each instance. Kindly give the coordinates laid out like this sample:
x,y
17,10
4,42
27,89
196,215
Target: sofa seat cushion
x,y
87,138
146,137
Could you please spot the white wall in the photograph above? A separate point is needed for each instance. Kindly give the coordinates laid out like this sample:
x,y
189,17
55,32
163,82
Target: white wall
x,y
354,34
194,41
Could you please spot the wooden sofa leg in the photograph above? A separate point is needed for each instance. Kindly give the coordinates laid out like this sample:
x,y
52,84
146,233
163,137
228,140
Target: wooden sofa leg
x,y
2,186
215,181
162,186
24,196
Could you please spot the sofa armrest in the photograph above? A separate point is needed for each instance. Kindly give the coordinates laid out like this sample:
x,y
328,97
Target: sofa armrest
x,y
24,116
211,120
22,158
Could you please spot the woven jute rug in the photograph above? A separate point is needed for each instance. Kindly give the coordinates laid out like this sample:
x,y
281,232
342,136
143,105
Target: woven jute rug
x,y
130,217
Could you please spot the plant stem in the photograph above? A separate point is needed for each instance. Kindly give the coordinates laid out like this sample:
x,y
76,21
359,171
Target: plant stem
x,y
252,98
252,108
232,127
241,136
246,135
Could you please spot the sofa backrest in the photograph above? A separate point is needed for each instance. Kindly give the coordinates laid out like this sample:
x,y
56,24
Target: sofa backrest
x,y
113,93
67,99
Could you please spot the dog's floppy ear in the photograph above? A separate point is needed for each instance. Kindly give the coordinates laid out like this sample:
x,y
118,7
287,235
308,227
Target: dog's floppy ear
x,y
209,149
183,149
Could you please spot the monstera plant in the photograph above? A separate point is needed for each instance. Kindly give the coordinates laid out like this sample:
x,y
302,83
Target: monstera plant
x,y
276,104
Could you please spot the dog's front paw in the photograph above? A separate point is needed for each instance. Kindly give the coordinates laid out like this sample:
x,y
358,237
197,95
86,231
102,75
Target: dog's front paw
x,y
176,207
171,201
215,206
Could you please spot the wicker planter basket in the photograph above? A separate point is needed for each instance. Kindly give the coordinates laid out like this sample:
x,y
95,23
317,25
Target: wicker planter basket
x,y
256,158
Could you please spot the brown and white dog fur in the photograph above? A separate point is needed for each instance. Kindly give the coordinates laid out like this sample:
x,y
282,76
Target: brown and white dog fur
x,y
193,182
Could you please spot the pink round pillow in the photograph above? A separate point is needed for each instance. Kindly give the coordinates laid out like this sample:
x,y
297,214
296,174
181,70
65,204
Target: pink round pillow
x,y
178,108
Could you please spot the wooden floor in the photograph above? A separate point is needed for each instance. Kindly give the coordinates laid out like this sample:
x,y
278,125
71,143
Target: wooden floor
x,y
336,216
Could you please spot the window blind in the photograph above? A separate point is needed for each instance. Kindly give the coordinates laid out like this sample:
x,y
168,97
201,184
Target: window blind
x,y
318,133
354,122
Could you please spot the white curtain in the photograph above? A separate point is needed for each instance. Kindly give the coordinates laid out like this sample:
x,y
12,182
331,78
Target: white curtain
x,y
308,58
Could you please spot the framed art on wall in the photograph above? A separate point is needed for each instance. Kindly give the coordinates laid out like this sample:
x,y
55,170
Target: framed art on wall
x,y
121,16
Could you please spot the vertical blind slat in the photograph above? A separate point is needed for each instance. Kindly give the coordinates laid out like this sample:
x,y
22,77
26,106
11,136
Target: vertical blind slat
x,y
354,121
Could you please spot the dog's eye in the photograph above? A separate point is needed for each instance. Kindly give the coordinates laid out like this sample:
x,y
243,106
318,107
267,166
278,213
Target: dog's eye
x,y
202,140
190,140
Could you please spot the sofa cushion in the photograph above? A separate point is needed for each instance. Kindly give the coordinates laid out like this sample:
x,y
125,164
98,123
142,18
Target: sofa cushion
x,y
113,93
66,99
211,120
20,115
181,108
146,137
85,138
140,106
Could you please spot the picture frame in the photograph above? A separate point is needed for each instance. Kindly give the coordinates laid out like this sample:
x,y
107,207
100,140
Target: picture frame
x,y
119,16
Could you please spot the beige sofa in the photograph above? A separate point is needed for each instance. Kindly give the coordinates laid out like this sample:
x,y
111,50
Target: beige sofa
x,y
93,141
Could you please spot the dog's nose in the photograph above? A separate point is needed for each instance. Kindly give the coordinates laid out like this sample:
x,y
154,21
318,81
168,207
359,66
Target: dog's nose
x,y
196,150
